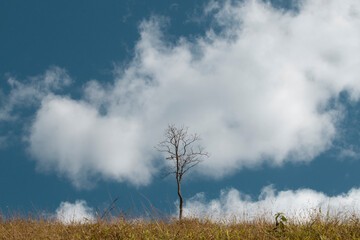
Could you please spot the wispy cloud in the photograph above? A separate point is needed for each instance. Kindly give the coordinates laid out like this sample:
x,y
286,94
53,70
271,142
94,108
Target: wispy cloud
x,y
30,91
350,152
299,205
3,141
258,90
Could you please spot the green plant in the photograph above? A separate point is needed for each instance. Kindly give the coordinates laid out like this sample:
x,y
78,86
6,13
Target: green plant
x,y
280,222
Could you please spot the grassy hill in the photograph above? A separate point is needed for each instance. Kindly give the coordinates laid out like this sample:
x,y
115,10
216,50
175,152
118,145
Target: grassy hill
x,y
120,228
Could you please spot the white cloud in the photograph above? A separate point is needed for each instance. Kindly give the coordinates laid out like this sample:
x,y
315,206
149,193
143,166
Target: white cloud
x,y
73,138
31,91
350,152
77,212
299,205
260,90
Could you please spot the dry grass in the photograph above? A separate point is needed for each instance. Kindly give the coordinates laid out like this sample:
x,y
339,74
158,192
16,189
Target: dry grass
x,y
330,228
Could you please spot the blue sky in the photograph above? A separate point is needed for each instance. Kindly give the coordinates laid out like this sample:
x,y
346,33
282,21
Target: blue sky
x,y
87,89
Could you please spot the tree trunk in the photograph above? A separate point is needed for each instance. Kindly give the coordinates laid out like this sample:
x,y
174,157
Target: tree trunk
x,y
181,201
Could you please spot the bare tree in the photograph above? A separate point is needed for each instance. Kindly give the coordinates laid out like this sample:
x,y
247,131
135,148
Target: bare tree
x,y
183,152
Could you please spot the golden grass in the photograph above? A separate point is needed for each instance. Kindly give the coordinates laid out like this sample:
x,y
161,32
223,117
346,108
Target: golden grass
x,y
330,228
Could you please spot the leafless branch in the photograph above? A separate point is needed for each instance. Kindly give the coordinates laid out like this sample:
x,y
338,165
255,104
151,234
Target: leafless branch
x,y
179,148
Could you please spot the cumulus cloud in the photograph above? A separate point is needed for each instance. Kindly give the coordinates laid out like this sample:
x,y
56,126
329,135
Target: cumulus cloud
x,y
77,212
73,138
299,205
264,88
